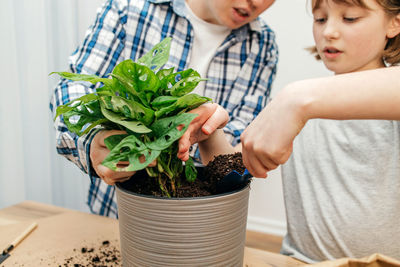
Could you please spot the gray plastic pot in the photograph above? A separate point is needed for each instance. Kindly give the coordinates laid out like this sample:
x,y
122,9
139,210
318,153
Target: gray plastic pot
x,y
201,231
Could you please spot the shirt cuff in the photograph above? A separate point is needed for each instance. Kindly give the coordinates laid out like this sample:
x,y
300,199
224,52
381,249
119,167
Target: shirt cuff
x,y
83,145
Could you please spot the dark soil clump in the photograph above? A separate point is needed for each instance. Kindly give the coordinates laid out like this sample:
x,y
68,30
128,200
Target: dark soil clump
x,y
220,166
204,185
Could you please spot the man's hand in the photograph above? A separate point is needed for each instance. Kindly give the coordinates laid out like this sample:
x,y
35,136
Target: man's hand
x,y
99,151
211,117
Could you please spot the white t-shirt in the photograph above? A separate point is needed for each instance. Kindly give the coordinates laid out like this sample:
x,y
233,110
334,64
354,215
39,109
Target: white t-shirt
x,y
342,190
207,38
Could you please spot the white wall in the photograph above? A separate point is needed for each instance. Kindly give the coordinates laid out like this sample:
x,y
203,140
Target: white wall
x,y
292,22
37,37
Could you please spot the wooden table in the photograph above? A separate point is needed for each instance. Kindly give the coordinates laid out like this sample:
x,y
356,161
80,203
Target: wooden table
x,y
65,237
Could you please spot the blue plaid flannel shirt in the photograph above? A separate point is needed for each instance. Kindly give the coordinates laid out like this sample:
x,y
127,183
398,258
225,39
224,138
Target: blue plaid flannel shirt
x,y
240,74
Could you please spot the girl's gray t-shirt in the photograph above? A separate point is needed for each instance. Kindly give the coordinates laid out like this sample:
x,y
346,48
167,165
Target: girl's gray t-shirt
x,y
342,190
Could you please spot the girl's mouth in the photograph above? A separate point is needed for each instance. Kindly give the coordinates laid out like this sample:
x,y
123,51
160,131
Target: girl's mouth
x,y
331,52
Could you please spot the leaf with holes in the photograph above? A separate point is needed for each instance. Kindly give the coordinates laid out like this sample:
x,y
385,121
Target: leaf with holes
x,y
133,150
134,126
128,109
181,83
169,129
83,116
139,77
113,140
157,56
83,100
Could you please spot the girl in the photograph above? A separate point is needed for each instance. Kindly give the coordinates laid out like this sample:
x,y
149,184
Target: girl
x,y
341,182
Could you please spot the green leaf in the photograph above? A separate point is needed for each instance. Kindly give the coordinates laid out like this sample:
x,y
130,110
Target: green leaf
x,y
74,103
137,79
191,101
133,150
166,130
129,109
157,56
94,124
134,126
82,77
190,170
181,83
82,116
113,140
136,76
165,111
164,100
183,103
164,72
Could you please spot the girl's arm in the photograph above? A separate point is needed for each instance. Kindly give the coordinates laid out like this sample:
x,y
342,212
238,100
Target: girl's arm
x,y
373,94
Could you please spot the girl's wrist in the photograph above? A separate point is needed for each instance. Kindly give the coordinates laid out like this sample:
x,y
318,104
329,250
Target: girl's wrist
x,y
299,99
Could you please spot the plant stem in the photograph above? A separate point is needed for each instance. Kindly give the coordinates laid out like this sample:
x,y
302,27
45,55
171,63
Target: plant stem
x,y
162,185
173,186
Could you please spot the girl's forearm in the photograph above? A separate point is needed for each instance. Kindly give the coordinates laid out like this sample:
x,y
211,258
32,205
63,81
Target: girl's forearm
x,y
373,94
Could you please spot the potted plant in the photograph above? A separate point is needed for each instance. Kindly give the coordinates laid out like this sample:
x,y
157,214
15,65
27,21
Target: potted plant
x,y
151,104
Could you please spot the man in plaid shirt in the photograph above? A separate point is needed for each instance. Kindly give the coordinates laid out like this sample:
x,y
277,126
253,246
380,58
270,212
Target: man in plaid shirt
x,y
224,40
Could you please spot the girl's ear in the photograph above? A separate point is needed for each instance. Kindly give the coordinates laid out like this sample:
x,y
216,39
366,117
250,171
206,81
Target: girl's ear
x,y
394,27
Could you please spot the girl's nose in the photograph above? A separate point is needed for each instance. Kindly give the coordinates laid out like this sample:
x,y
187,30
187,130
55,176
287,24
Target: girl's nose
x,y
331,30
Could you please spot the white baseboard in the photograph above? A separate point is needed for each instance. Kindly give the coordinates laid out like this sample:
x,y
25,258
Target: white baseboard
x,y
262,225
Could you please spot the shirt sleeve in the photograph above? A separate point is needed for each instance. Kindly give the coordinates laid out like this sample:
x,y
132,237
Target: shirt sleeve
x,y
255,79
98,54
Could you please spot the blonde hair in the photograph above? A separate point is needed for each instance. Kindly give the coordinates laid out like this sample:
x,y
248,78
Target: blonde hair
x,y
391,54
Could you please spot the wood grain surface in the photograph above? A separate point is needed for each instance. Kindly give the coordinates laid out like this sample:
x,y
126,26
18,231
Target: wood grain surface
x,y
61,233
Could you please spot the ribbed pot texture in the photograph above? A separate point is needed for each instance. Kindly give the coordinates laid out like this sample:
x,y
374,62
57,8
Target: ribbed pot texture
x,y
203,231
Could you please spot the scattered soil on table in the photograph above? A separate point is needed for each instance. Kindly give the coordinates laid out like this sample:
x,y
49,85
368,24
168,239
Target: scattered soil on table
x,y
204,185
104,254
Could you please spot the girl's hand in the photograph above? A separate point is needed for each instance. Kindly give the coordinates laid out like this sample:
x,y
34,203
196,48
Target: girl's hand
x,y
211,116
268,141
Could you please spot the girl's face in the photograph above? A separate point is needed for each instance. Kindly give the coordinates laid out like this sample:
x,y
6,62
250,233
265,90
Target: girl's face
x,y
230,13
350,38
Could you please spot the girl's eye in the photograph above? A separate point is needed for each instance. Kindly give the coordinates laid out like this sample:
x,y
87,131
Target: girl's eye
x,y
350,19
319,20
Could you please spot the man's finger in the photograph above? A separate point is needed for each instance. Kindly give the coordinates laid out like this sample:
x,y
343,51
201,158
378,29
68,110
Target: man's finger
x,y
106,172
184,143
218,120
183,155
